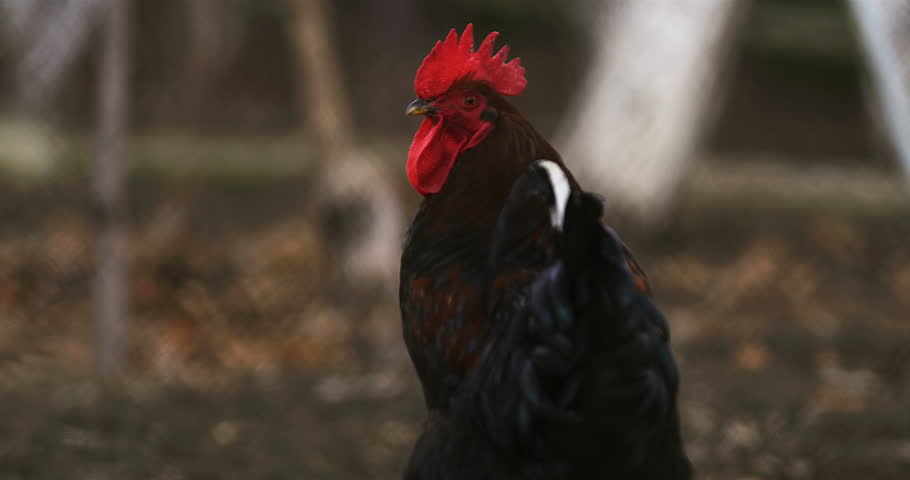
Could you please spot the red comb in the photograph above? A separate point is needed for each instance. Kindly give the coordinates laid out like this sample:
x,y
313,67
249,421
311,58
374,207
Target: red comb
x,y
455,59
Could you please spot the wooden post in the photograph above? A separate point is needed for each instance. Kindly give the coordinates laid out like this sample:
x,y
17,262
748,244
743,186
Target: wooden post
x,y
325,98
110,294
350,172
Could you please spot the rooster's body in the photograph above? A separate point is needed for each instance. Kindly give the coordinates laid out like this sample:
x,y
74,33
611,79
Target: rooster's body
x,y
528,322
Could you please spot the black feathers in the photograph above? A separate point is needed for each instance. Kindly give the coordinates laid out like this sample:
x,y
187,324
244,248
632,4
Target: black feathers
x,y
575,379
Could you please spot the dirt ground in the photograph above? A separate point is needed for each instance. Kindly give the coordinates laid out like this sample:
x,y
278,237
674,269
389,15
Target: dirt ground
x,y
249,359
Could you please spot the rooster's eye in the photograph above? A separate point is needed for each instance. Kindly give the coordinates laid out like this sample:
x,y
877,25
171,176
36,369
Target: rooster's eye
x,y
470,101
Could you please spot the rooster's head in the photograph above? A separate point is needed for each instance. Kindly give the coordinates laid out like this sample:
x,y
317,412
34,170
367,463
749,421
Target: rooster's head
x,y
456,86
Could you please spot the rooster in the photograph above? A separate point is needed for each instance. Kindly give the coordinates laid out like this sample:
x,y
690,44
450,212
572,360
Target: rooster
x,y
529,323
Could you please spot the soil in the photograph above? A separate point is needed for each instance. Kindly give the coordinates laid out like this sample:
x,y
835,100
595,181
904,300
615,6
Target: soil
x,y
251,356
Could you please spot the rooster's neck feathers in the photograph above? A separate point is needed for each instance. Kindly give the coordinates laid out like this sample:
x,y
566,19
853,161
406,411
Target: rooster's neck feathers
x,y
483,176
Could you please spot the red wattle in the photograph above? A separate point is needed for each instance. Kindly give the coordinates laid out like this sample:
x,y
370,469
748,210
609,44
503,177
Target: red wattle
x,y
432,156
434,151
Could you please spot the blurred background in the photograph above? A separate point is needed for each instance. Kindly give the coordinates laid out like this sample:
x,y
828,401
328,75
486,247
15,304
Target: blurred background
x,y
202,204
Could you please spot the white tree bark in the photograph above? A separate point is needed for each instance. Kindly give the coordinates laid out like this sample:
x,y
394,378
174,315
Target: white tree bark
x,y
642,110
884,28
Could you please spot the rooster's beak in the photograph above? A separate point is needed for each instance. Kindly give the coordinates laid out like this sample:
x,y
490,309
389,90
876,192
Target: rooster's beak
x,y
419,107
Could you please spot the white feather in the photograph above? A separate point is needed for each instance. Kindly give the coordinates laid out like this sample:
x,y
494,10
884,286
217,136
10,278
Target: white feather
x,y
561,189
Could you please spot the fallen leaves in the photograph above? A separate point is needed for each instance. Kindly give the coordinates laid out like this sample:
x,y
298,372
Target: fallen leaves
x,y
751,357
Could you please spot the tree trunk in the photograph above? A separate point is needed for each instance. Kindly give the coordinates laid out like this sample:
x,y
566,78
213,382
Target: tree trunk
x,y
110,295
884,28
652,82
